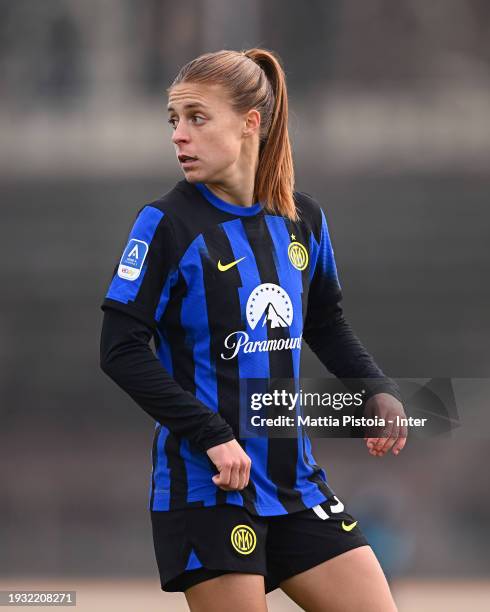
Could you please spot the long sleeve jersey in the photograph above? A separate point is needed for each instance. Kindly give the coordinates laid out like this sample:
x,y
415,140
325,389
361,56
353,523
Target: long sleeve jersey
x,y
228,293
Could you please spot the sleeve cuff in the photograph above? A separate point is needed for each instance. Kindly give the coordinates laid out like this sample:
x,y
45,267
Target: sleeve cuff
x,y
217,431
389,386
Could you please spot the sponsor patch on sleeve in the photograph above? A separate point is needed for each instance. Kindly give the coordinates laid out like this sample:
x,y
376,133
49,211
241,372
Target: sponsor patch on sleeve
x,y
132,259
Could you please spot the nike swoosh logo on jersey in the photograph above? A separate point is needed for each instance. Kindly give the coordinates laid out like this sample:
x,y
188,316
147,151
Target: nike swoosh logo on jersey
x,y
348,527
225,267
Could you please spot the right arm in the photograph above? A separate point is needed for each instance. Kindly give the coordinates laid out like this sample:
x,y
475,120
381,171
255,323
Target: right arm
x,y
134,303
126,357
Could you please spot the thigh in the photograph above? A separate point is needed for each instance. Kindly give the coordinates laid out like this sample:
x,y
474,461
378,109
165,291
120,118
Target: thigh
x,y
299,541
234,591
348,582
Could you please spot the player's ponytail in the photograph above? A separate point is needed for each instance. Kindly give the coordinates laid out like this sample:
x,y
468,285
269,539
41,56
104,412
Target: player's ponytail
x,y
256,79
274,181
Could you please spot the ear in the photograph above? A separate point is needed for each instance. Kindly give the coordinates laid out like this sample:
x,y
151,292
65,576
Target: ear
x,y
252,122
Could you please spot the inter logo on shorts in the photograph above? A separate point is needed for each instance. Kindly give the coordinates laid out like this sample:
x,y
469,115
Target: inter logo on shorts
x,y
298,255
132,259
243,539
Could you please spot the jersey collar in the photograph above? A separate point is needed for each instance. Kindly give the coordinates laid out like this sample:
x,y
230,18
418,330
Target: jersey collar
x,y
234,209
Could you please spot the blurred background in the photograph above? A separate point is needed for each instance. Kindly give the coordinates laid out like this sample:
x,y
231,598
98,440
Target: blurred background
x,y
390,126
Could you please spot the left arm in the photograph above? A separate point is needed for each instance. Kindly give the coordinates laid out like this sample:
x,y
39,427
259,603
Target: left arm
x,y
334,342
342,353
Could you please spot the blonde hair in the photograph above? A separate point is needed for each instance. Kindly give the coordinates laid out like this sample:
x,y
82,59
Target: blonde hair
x,y
255,79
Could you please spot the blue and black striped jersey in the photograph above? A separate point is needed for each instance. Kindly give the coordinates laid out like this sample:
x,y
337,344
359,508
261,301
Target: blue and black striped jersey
x,y
229,292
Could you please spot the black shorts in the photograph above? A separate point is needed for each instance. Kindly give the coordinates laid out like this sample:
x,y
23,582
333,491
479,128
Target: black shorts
x,y
196,544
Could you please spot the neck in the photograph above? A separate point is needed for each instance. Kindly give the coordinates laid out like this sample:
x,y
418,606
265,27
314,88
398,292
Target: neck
x,y
234,194
239,187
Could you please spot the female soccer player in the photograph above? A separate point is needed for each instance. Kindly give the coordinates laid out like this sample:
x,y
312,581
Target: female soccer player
x,y
228,271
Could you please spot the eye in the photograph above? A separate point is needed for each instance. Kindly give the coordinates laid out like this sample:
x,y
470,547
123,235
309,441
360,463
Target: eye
x,y
198,117
195,119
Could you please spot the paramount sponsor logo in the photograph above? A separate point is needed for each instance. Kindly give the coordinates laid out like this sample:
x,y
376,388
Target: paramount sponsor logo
x,y
240,339
268,306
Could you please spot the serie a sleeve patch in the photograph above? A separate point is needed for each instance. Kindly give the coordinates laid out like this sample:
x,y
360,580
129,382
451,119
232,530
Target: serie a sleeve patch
x,y
132,259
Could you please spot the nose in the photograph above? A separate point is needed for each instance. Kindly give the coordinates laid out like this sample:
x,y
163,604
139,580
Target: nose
x,y
180,133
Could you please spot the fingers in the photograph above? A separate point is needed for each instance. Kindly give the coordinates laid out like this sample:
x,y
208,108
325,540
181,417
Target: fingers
x,y
224,474
400,444
387,442
378,446
372,448
402,440
394,439
244,475
234,475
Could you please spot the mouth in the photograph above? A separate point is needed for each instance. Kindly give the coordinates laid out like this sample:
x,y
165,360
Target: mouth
x,y
187,161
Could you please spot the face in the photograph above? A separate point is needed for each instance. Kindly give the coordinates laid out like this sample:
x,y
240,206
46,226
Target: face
x,y
205,127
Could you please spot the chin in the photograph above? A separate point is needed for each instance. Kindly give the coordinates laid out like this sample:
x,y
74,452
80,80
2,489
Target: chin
x,y
190,177
193,176
196,177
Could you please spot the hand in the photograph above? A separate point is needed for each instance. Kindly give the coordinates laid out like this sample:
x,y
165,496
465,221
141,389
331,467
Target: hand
x,y
233,465
387,407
